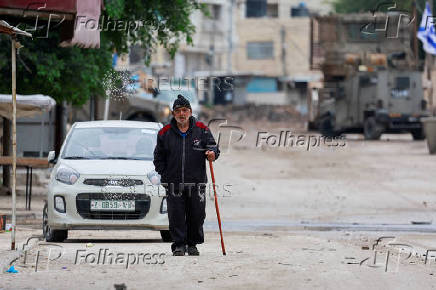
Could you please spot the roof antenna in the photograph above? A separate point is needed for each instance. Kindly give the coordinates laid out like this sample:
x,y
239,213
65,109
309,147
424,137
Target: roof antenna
x,y
121,115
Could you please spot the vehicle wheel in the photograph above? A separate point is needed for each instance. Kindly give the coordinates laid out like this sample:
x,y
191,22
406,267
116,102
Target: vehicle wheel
x,y
49,234
371,129
326,127
418,134
166,236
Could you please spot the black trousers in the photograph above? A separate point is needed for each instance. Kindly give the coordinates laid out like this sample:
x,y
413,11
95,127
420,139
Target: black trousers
x,y
186,207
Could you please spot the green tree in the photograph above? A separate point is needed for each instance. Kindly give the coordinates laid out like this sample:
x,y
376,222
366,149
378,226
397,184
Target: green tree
x,y
70,74
74,74
162,22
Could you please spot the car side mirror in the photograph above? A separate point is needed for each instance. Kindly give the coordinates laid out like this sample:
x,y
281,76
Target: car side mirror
x,y
51,157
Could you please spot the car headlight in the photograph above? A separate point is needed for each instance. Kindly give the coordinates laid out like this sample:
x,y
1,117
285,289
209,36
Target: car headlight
x,y
154,177
59,203
67,175
163,206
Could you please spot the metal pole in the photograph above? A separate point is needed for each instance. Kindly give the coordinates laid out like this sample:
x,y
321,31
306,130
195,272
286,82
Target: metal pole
x,y
106,108
41,134
14,139
212,63
415,38
230,37
429,63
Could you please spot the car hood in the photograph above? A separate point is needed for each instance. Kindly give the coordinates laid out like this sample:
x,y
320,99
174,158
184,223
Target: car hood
x,y
110,167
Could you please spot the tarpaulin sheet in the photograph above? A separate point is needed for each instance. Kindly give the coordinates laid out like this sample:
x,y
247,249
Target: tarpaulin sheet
x,y
27,106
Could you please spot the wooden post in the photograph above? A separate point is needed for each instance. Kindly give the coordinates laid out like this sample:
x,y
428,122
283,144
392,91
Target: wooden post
x,y
14,139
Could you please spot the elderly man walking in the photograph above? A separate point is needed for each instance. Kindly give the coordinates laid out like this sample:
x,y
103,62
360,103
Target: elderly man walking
x,y
180,158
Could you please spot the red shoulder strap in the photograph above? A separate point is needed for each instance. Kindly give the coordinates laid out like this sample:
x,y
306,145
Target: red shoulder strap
x,y
164,129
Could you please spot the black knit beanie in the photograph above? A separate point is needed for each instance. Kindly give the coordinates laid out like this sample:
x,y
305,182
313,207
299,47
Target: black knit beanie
x,y
181,101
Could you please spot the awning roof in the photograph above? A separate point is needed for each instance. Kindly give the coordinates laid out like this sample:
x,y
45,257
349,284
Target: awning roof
x,y
81,13
27,105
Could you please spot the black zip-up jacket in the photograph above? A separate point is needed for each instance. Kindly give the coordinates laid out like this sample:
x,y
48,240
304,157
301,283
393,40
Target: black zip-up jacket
x,y
181,160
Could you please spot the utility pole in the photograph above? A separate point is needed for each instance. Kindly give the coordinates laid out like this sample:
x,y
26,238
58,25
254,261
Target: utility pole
x,y
415,31
230,38
212,62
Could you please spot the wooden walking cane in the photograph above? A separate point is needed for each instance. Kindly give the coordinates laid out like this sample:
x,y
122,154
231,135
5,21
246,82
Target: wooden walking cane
x,y
217,208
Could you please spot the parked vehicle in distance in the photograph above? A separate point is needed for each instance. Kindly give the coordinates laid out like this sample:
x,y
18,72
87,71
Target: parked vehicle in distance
x,y
153,107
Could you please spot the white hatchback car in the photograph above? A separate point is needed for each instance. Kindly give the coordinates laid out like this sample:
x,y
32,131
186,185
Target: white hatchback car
x,y
104,178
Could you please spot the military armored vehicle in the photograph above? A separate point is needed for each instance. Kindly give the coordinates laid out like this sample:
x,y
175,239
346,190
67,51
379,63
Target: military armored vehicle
x,y
372,82
378,102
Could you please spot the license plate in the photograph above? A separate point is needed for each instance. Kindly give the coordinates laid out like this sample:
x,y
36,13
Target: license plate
x,y
113,205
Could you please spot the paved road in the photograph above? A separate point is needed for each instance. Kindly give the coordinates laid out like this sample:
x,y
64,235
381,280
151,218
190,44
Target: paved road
x,y
292,218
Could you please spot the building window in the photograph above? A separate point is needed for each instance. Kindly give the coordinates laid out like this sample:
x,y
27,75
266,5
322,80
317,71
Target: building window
x,y
260,50
272,10
300,10
402,83
256,8
215,11
262,85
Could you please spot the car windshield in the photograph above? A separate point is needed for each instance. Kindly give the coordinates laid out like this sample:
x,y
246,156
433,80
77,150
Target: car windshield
x,y
171,95
110,143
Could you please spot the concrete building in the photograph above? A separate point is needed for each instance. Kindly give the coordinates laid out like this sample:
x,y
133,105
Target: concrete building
x,y
273,41
263,45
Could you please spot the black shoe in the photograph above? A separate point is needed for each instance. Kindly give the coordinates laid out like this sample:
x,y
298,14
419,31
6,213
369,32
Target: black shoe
x,y
179,251
193,251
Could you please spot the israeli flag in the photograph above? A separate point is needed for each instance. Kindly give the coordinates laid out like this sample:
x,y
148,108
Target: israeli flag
x,y
426,32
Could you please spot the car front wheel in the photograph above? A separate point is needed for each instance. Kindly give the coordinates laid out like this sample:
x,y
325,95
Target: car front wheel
x,y
49,234
166,236
418,134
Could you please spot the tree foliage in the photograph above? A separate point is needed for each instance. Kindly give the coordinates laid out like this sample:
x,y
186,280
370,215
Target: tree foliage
x,y
74,74
161,22
70,74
